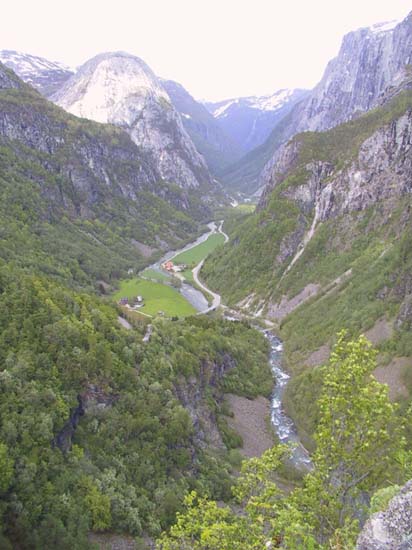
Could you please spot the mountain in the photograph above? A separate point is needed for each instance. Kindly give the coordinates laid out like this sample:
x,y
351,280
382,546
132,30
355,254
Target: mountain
x,y
249,120
218,148
369,61
80,199
44,75
120,89
330,247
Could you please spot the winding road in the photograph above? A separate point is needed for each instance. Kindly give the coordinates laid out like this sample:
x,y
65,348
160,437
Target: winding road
x,y
217,300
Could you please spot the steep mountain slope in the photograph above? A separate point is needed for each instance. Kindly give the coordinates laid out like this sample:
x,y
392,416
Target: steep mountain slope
x,y
218,148
329,246
120,89
80,199
44,75
100,431
369,61
250,120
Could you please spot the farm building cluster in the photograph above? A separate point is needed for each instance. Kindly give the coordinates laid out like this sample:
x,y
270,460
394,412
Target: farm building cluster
x,y
174,268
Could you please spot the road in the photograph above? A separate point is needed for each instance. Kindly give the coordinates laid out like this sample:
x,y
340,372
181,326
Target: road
x,y
216,302
216,297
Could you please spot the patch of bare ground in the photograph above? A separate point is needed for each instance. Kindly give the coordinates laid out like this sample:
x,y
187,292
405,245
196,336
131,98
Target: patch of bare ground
x,y
145,250
124,323
392,375
286,305
251,421
318,357
381,330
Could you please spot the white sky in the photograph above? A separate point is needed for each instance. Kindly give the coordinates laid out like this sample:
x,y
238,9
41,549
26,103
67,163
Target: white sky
x,y
215,48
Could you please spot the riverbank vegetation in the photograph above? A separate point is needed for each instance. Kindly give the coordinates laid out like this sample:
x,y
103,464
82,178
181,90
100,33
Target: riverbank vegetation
x,y
358,451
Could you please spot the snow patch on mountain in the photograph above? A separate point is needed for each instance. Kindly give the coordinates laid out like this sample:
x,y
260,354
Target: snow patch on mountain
x,y
47,76
384,27
271,102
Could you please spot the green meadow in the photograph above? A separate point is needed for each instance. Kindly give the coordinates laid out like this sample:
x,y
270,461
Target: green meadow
x,y
157,297
196,254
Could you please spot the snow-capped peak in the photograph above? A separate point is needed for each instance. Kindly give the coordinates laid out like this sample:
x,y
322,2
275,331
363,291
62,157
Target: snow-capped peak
x,y
47,76
27,65
271,102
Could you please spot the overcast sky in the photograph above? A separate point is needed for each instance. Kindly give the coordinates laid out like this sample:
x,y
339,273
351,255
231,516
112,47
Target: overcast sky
x,y
216,48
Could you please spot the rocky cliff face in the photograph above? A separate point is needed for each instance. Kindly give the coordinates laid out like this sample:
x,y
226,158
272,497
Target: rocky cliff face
x,y
392,528
44,75
120,89
370,61
383,159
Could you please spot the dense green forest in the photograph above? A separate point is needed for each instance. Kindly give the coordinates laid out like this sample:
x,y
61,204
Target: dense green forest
x,y
134,451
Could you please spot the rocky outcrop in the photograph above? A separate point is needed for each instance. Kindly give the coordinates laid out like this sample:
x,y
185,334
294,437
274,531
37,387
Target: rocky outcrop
x,y
192,395
392,528
120,89
92,399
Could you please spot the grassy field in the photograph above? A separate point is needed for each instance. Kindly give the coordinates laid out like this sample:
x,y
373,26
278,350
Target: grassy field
x,y
153,274
196,254
157,297
246,208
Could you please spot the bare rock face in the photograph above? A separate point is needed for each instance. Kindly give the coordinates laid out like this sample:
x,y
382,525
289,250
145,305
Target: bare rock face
x,y
383,158
120,89
391,529
371,61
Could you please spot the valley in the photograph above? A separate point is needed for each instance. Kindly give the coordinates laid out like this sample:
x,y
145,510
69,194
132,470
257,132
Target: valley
x,y
206,306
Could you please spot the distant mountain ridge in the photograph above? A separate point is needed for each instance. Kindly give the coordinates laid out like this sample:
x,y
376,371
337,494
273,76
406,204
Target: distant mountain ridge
x,y
44,75
218,148
249,120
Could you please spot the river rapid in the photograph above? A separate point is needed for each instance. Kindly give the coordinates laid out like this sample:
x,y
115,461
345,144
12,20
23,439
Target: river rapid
x,y
283,425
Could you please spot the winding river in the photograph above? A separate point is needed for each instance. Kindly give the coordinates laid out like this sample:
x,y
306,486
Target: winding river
x,y
283,425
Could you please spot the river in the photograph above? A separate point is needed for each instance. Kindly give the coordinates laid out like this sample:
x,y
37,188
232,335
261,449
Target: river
x,y
192,294
283,425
